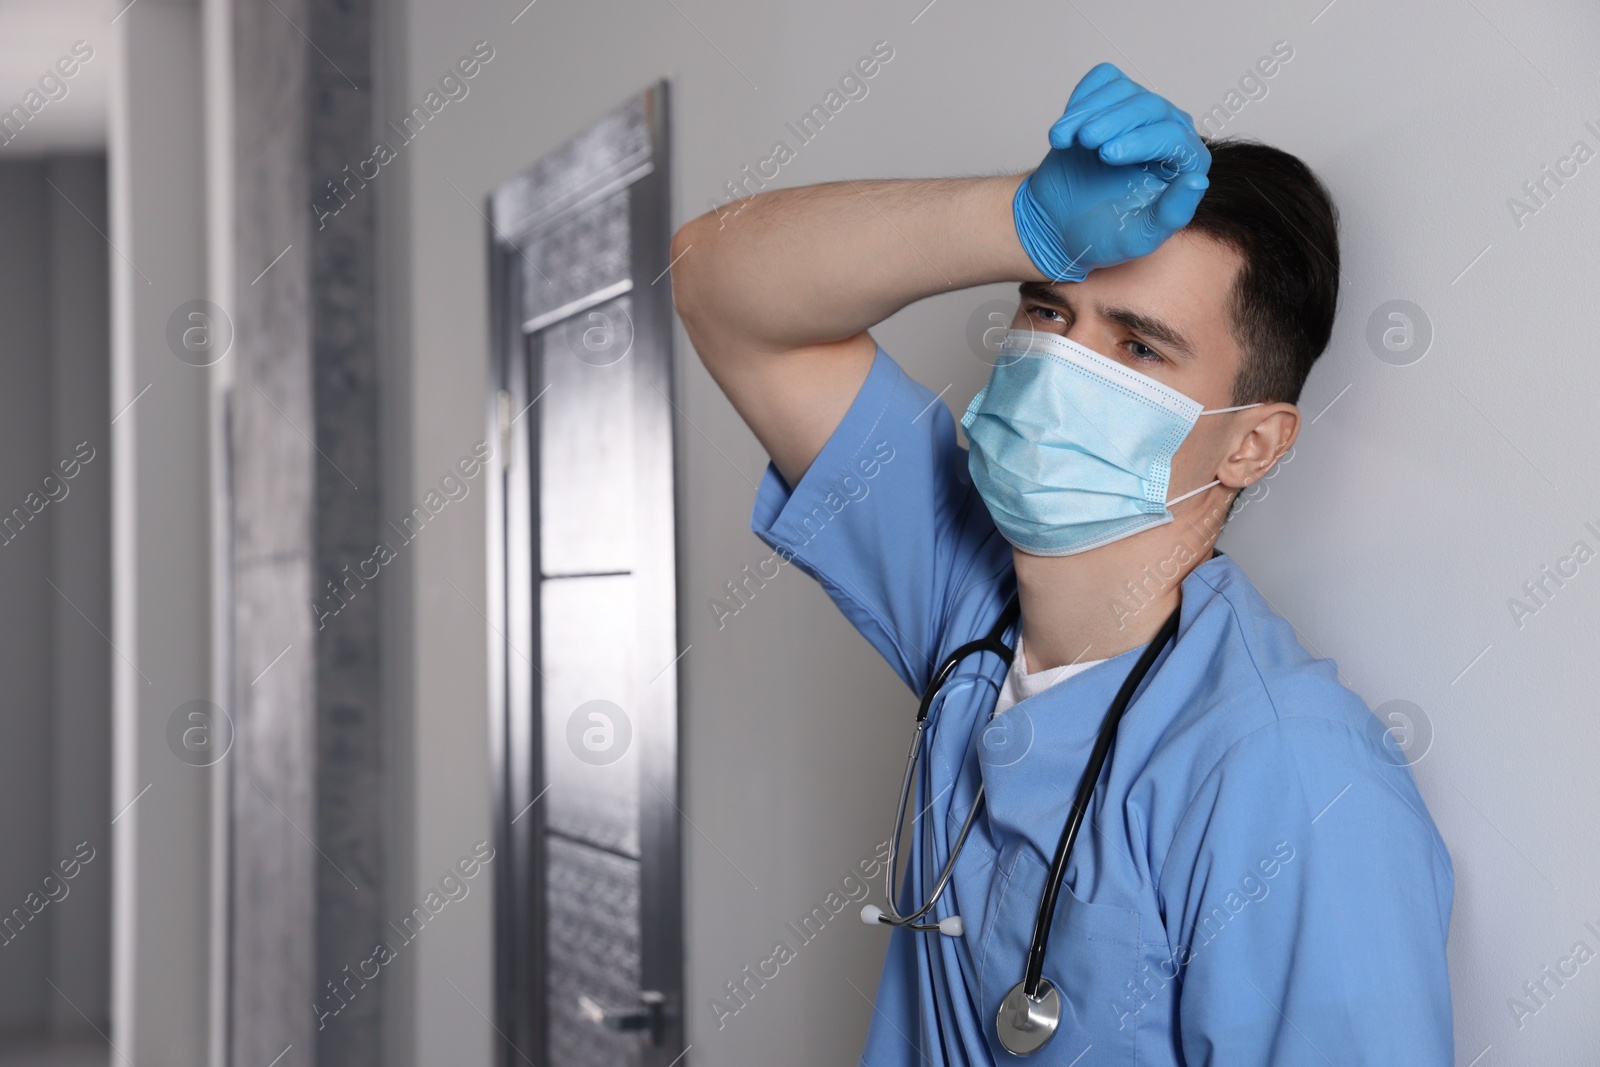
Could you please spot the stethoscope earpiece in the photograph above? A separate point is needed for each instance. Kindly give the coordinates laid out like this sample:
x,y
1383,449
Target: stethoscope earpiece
x,y
949,926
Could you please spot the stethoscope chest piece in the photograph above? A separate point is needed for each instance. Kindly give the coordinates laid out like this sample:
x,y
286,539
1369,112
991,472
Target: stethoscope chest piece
x,y
1025,1023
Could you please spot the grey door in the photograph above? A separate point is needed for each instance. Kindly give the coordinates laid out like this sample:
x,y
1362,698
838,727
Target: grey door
x,y
588,913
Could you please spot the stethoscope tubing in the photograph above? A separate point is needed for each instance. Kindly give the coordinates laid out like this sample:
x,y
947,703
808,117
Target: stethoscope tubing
x,y
1043,919
992,642
1080,805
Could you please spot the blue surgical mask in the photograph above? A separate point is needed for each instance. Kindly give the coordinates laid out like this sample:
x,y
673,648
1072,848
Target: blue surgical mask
x,y
1072,450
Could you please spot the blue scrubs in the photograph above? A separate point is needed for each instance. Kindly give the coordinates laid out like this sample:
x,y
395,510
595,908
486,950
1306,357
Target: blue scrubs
x,y
1258,880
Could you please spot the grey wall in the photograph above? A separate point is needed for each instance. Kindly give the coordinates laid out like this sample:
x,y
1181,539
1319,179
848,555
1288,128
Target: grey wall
x,y
26,439
273,979
57,719
348,523
80,317
1415,506
55,759
306,502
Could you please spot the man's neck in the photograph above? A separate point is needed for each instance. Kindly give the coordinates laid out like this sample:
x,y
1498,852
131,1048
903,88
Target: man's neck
x,y
1101,603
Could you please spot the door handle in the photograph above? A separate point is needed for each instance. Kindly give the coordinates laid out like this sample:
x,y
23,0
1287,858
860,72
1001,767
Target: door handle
x,y
651,1015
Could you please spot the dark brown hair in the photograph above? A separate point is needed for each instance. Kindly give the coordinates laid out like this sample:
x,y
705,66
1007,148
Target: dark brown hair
x,y
1269,207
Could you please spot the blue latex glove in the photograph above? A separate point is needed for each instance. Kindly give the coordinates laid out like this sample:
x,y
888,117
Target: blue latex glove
x,y
1125,171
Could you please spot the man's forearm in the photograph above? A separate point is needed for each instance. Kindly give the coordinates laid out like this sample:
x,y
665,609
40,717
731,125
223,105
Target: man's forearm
x,y
820,263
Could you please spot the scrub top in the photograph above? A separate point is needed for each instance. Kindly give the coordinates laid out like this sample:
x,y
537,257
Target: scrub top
x,y
1257,881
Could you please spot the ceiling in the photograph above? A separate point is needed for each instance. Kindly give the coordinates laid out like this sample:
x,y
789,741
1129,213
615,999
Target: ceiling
x,y
34,35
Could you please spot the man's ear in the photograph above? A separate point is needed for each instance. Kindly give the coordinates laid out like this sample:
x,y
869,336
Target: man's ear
x,y
1269,433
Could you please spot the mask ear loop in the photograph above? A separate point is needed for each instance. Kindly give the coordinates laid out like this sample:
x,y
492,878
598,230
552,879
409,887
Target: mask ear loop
x,y
1192,492
1214,481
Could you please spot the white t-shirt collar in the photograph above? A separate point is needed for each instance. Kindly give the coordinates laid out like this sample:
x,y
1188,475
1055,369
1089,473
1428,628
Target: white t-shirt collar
x,y
1020,685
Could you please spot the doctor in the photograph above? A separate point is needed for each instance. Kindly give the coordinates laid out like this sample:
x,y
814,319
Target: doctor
x,y
1247,872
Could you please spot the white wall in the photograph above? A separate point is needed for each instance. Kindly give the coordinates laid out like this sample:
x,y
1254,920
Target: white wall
x,y
1414,507
161,561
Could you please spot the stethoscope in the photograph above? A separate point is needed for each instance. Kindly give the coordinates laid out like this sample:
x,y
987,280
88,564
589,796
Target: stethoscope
x,y
1031,1012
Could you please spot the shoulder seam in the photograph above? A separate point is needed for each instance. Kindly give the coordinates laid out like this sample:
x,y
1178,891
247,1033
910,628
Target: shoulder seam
x,y
1277,720
1420,817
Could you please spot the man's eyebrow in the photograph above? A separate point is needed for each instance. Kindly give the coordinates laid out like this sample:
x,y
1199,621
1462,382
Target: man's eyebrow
x,y
1156,329
1042,293
1138,321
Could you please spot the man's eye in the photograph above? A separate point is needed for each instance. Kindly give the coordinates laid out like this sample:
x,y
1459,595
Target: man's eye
x,y
1143,352
1041,311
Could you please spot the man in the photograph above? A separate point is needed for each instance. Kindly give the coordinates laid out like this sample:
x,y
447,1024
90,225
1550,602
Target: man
x,y
1257,880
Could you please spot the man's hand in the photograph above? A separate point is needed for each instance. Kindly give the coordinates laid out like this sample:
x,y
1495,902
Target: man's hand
x,y
1125,171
